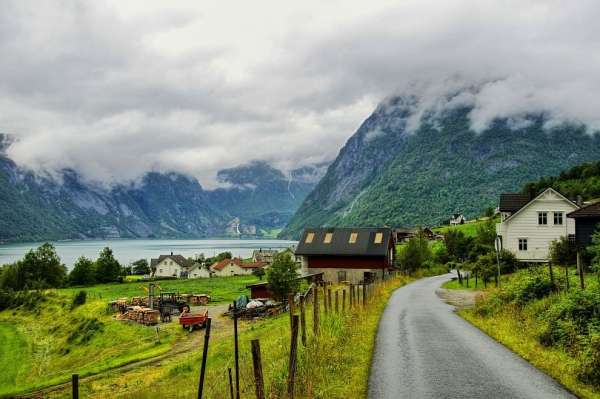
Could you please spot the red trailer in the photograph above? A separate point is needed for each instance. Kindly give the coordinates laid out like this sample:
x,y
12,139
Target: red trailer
x,y
191,321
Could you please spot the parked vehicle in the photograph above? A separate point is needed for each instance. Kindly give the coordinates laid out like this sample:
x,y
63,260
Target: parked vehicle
x,y
191,321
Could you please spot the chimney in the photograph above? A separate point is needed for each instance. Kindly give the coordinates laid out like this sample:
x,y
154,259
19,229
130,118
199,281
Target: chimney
x,y
171,253
579,200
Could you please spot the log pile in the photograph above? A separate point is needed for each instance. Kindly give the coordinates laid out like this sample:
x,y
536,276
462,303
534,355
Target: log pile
x,y
141,315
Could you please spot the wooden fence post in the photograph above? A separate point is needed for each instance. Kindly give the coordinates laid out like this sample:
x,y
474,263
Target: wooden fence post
x,y
293,356
230,384
364,290
291,307
351,295
324,298
302,321
315,311
567,277
75,386
204,355
580,270
344,300
258,374
329,300
337,303
236,351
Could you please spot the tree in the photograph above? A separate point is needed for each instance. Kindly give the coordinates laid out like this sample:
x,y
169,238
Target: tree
x,y
415,253
83,272
457,245
563,252
108,268
282,276
486,233
259,272
140,267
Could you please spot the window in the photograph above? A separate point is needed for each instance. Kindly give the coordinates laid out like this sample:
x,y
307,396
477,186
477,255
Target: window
x,y
522,244
309,238
353,238
558,218
378,238
542,218
328,238
342,276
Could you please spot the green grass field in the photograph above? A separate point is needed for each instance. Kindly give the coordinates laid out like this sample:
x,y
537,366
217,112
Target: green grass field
x,y
334,366
469,228
44,346
220,289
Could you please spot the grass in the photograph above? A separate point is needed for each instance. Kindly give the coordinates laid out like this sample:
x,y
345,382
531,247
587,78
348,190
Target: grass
x,y
44,346
336,365
519,327
469,228
220,289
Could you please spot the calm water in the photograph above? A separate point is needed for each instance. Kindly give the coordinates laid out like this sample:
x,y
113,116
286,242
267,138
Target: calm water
x,y
127,251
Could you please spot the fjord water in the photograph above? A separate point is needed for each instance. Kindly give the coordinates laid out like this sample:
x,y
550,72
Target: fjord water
x,y
127,251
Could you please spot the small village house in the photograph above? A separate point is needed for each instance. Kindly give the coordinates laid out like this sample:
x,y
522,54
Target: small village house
x,y
404,234
587,221
347,254
528,226
263,255
235,267
177,266
457,219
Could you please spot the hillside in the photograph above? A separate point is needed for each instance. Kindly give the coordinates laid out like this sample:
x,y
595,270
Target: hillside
x,y
161,205
385,175
583,180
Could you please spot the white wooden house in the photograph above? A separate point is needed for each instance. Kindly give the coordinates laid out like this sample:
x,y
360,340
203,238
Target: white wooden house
x,y
457,219
528,227
177,266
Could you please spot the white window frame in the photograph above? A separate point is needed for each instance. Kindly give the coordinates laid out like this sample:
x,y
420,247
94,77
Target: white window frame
x,y
523,244
542,216
562,218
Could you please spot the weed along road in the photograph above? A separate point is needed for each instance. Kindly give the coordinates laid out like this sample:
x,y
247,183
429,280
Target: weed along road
x,y
424,350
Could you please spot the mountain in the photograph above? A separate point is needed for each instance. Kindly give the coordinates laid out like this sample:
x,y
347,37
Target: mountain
x,y
389,175
580,181
161,205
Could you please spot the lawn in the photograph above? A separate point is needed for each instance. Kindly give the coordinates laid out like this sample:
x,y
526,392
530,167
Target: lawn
x,y
336,365
469,228
220,289
14,352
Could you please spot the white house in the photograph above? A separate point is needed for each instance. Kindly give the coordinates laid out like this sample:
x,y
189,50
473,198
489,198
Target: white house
x,y
235,267
528,227
177,266
457,219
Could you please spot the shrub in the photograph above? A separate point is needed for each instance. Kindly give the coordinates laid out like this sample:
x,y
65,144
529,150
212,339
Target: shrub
x,y
85,330
10,299
79,299
589,369
528,285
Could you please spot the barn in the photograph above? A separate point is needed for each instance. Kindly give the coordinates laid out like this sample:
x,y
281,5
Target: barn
x,y
587,221
347,254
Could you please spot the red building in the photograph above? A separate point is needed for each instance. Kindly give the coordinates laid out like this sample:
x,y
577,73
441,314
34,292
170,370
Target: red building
x,y
347,254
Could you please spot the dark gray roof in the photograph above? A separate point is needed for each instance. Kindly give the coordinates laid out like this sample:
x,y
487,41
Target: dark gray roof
x,y
512,202
588,211
179,259
340,245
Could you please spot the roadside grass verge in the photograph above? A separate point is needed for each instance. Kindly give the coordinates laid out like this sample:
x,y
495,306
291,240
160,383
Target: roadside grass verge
x,y
335,365
220,289
14,350
555,330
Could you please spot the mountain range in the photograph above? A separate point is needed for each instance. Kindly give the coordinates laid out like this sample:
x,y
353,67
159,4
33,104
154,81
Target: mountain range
x,y
390,174
257,199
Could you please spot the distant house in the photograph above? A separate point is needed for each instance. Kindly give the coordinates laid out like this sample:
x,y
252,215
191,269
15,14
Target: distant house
x,y
528,227
457,219
587,220
263,255
404,234
176,266
347,254
235,267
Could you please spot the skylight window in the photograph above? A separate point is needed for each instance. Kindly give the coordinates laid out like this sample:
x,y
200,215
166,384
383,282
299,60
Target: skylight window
x,y
378,238
328,238
309,238
353,238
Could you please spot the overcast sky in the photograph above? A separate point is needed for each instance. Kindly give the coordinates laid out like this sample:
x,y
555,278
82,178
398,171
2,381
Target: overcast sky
x,y
116,88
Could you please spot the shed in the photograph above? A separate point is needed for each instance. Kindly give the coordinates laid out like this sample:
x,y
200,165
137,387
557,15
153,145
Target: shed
x,y
587,220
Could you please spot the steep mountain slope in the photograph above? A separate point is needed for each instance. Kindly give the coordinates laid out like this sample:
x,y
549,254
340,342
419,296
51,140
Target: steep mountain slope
x,y
162,205
385,175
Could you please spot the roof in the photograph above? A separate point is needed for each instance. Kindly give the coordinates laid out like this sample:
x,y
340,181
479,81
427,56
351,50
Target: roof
x,y
588,211
549,189
340,242
512,202
179,259
221,264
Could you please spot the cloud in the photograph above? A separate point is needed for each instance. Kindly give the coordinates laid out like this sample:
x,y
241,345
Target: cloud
x,y
114,89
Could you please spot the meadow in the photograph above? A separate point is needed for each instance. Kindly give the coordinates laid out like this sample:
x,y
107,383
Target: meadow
x,y
333,365
43,345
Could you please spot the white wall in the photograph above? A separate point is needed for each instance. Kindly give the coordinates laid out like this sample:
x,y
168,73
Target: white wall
x,y
524,224
232,270
168,268
199,272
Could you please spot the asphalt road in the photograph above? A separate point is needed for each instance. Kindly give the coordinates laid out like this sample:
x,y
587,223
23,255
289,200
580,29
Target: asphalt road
x,y
424,350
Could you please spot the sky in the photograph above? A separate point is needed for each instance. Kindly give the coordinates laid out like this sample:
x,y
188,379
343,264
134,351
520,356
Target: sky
x,y
113,89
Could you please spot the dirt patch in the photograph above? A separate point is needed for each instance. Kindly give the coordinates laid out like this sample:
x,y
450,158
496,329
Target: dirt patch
x,y
459,298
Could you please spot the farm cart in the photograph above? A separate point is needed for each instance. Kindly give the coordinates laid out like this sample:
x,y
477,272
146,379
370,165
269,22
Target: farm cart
x,y
190,321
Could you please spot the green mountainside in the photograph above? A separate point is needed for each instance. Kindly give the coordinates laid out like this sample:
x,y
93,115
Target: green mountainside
x,y
385,175
582,180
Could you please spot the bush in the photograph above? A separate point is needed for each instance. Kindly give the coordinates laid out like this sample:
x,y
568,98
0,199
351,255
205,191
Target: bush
x,y
10,299
79,299
529,285
282,276
589,369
